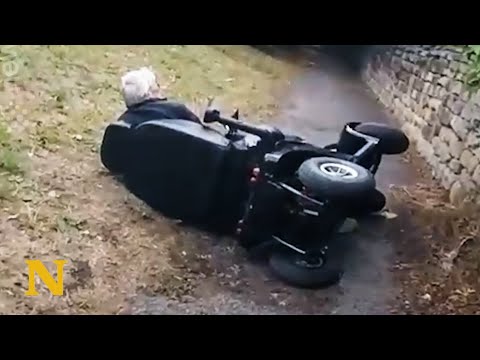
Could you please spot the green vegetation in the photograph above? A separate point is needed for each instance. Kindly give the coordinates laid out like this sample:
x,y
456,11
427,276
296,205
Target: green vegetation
x,y
472,77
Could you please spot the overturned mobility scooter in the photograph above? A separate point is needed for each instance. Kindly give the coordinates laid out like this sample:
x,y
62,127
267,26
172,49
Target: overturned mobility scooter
x,y
280,191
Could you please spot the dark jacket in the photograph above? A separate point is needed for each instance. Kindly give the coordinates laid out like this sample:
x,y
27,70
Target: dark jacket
x,y
157,109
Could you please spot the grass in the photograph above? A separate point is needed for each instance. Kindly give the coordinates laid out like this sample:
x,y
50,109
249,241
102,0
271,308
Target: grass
x,y
56,200
10,161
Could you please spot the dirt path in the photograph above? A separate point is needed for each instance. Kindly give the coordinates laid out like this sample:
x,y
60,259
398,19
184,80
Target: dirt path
x,y
321,100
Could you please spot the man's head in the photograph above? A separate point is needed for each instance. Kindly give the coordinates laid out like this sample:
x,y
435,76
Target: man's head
x,y
138,86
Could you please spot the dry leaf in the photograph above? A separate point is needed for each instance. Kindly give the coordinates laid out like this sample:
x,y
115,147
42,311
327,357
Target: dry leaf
x,y
388,215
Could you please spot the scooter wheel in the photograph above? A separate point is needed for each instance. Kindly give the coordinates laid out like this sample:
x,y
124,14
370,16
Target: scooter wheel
x,y
310,273
334,178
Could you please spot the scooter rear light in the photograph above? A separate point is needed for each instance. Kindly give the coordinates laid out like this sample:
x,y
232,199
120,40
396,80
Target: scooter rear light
x,y
255,173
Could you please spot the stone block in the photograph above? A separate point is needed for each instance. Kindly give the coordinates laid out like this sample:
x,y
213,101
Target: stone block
x,y
465,176
418,120
403,76
455,87
413,132
422,100
475,124
463,68
407,66
476,175
455,166
442,93
396,64
434,104
465,96
468,110
454,65
444,115
473,139
443,81
475,97
440,149
456,148
460,191
416,69
425,149
402,86
397,113
457,106
438,65
457,58
449,72
426,86
418,84
475,114
459,126
469,161
410,82
436,167
414,95
446,135
447,177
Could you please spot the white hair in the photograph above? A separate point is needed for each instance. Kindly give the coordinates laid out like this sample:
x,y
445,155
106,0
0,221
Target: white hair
x,y
138,86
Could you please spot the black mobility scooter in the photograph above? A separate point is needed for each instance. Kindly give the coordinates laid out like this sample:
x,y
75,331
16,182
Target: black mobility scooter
x,y
277,190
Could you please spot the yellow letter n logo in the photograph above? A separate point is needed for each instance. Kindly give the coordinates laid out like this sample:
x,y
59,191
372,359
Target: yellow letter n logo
x,y
37,267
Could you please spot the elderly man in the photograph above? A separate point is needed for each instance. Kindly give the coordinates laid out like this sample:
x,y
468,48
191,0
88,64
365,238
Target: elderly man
x,y
145,102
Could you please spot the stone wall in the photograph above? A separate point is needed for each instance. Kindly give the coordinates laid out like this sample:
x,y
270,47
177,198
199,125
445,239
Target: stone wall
x,y
422,85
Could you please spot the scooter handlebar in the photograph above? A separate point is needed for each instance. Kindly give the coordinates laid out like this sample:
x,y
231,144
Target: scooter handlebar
x,y
213,115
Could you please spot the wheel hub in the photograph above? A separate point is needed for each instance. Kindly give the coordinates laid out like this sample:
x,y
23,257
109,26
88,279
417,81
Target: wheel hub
x,y
310,262
338,170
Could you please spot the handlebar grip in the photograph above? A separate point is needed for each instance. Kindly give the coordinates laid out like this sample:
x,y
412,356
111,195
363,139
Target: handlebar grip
x,y
212,115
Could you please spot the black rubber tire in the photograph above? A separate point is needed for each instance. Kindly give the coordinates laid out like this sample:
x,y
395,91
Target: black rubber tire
x,y
284,266
332,187
375,202
392,140
368,204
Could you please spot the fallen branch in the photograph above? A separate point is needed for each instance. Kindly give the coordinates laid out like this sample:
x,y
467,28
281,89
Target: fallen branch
x,y
450,257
